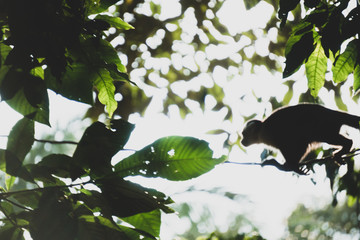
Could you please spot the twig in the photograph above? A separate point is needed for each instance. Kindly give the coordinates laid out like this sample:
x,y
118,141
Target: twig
x,y
243,163
55,142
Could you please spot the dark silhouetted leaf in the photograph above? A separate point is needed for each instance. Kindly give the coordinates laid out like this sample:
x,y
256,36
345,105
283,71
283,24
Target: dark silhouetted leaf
x,y
127,199
298,53
99,144
21,138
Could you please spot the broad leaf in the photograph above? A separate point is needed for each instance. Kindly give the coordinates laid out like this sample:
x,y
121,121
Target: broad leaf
x,y
174,158
299,51
12,166
345,63
21,138
76,83
357,78
99,228
21,104
316,67
148,222
61,165
127,199
99,144
115,22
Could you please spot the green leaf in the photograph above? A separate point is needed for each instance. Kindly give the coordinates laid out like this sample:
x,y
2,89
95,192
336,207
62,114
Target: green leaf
x,y
20,103
21,138
357,78
127,199
12,166
297,52
174,158
4,52
105,85
99,228
99,144
316,67
148,222
345,64
115,22
99,53
76,83
61,165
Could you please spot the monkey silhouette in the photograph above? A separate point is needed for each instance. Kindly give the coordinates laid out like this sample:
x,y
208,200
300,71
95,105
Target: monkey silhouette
x,y
295,130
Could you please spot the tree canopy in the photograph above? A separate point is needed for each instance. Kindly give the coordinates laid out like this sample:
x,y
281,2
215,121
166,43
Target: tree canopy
x,y
119,57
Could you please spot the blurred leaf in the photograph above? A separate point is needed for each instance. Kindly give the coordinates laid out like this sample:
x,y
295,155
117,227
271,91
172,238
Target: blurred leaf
x,y
345,64
127,199
148,222
21,138
250,3
174,158
316,67
11,232
115,22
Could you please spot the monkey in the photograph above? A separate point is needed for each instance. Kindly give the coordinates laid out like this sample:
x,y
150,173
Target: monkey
x,y
295,130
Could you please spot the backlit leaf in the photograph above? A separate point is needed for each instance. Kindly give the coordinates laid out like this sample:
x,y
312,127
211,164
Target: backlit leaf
x,y
357,78
105,85
345,63
115,22
174,158
148,222
316,67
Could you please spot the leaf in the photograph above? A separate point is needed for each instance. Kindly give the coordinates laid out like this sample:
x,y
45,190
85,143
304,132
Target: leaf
x,y
61,165
99,228
357,78
297,52
99,144
316,67
127,199
174,158
149,222
12,166
105,85
345,64
22,105
4,52
115,22
76,83
21,138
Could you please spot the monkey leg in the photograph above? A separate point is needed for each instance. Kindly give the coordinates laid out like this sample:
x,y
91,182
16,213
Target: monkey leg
x,y
345,145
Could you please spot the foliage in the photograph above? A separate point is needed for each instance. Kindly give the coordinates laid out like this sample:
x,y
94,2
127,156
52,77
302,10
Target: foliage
x,y
62,46
82,48
327,223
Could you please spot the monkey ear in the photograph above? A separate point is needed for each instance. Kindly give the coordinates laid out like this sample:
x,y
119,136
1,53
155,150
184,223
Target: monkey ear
x,y
253,123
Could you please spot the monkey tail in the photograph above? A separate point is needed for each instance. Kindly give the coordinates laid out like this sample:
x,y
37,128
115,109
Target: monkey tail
x,y
352,120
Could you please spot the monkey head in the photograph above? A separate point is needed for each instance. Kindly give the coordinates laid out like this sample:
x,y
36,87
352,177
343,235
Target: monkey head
x,y
251,133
